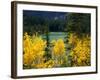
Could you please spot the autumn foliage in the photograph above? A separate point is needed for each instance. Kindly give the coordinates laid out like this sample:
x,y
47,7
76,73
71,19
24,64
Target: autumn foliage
x,y
81,49
34,50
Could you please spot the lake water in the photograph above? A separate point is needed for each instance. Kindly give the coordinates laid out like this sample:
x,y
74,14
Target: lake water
x,y
55,35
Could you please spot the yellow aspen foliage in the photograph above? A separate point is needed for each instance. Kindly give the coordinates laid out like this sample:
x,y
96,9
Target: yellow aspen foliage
x,y
58,53
81,51
73,39
49,64
59,47
34,49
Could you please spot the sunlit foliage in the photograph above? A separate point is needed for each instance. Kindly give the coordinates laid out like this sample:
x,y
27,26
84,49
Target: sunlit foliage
x,y
80,51
59,53
34,50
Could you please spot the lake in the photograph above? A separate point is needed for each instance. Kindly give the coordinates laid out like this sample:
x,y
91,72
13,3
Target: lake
x,y
55,35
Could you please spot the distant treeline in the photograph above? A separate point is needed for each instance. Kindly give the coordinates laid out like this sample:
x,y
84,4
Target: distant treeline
x,y
73,22
32,24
